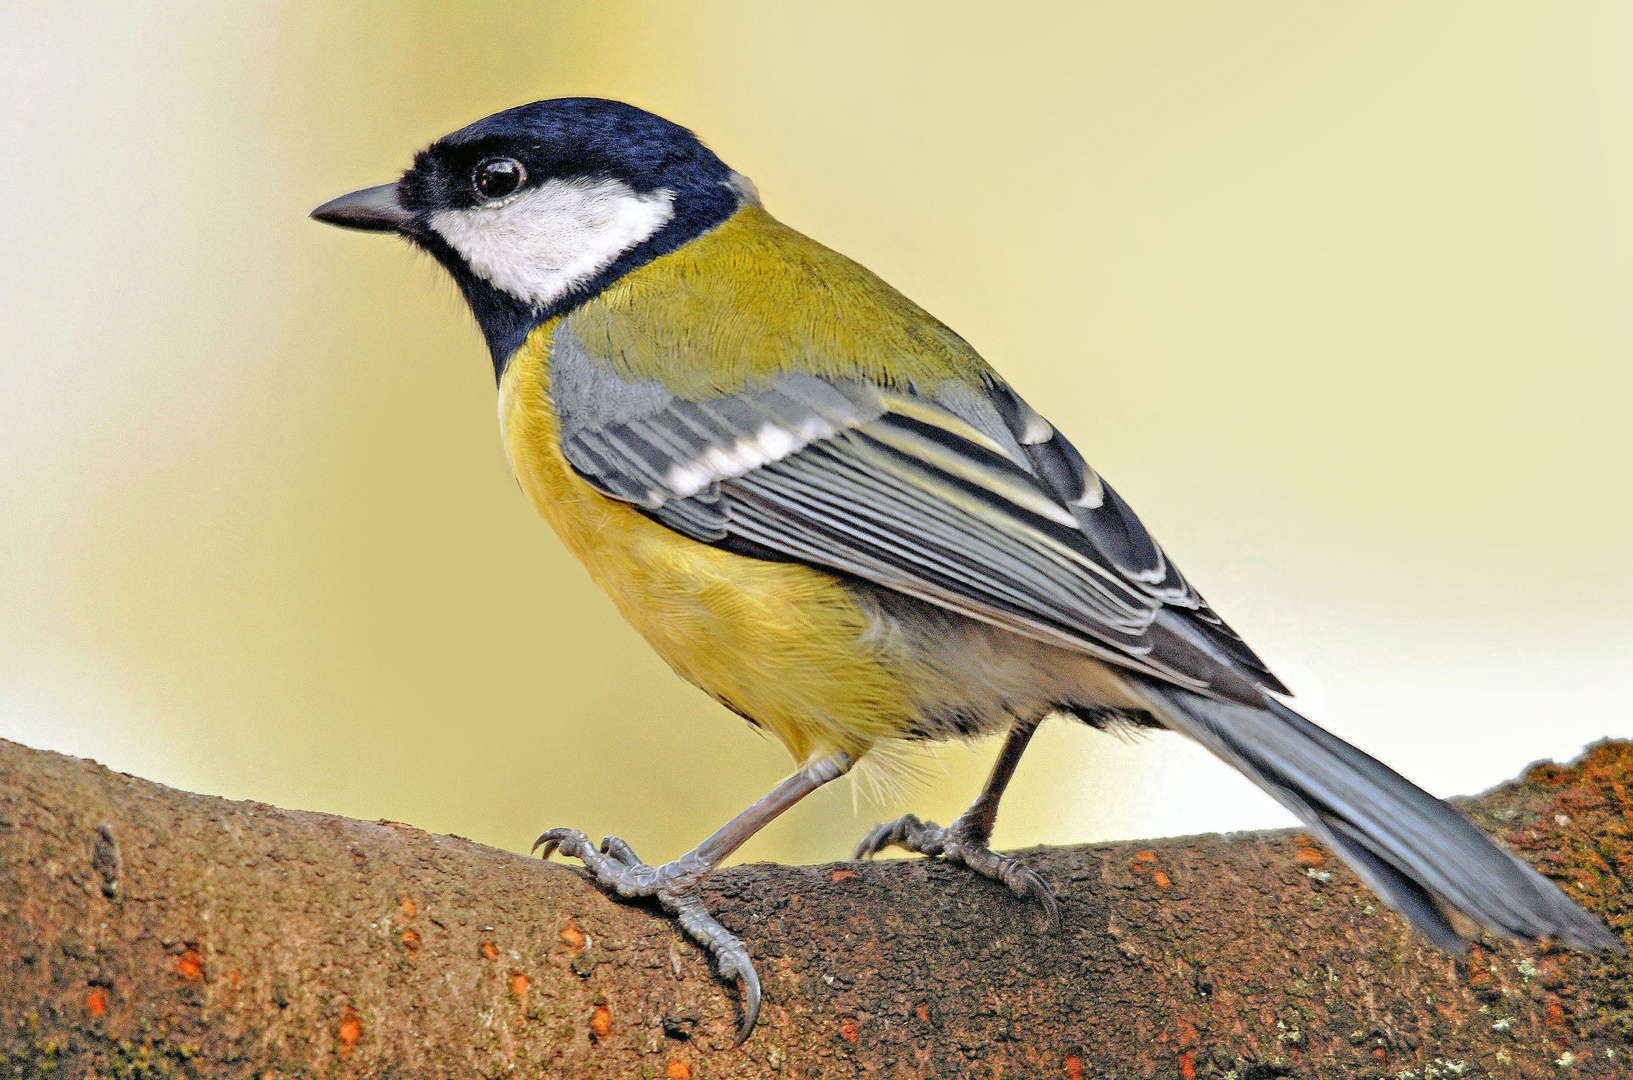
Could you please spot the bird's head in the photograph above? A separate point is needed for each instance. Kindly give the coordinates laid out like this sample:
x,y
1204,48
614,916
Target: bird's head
x,y
537,208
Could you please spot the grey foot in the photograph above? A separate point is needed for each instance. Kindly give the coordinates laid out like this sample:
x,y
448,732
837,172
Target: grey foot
x,y
616,867
959,843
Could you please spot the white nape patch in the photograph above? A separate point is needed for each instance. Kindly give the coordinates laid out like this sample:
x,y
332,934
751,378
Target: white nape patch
x,y
542,243
747,194
770,443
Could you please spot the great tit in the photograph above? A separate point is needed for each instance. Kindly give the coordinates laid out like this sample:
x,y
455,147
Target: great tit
x,y
822,507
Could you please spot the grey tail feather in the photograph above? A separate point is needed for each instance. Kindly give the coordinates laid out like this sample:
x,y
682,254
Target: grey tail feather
x,y
1417,853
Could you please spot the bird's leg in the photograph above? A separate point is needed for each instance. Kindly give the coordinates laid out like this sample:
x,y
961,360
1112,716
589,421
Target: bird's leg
x,y
965,840
617,868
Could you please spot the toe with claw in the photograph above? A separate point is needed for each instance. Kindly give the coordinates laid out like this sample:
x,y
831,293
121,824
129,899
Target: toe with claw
x,y
675,885
961,843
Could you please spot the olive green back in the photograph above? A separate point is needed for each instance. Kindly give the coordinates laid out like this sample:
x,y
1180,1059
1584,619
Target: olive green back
x,y
754,299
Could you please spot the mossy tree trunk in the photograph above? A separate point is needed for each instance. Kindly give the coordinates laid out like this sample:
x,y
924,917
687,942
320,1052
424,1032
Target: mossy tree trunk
x,y
148,932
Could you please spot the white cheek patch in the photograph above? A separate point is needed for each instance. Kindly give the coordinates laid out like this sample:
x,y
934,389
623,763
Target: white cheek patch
x,y
539,245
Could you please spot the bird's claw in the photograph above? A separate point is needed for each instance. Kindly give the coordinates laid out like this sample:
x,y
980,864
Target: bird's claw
x,y
570,842
675,885
959,843
732,961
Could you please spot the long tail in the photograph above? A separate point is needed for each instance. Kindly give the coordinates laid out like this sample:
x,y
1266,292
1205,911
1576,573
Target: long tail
x,y
1418,854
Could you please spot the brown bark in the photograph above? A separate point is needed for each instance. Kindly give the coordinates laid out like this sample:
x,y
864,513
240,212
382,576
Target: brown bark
x,y
148,932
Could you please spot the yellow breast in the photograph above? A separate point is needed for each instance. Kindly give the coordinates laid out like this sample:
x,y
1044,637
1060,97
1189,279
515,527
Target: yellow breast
x,y
779,643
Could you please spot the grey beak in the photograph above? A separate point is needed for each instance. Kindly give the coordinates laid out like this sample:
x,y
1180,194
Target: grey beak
x,y
374,209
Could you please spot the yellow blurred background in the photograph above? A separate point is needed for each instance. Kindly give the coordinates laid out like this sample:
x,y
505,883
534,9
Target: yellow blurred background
x,y
1339,296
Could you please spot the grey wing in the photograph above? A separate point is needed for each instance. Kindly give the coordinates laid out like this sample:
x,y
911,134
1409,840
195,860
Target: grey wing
x,y
971,502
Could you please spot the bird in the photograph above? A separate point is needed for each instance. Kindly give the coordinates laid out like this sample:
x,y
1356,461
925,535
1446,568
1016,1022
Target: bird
x,y
822,507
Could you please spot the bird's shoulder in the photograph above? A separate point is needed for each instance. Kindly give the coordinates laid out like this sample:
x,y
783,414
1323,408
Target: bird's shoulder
x,y
754,299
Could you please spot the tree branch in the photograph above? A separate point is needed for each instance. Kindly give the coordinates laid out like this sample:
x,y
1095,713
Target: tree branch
x,y
148,932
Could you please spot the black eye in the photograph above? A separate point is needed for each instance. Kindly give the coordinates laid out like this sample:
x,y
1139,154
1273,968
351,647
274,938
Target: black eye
x,y
497,177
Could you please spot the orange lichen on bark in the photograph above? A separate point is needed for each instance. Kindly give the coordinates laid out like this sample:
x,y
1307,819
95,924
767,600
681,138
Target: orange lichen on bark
x,y
842,874
407,909
96,1002
1145,866
411,939
1310,857
1159,878
518,986
488,950
848,1029
350,1030
574,937
677,1070
1074,1068
190,966
1187,1066
601,1022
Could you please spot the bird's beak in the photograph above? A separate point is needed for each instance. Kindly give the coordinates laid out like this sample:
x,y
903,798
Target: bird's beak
x,y
375,209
